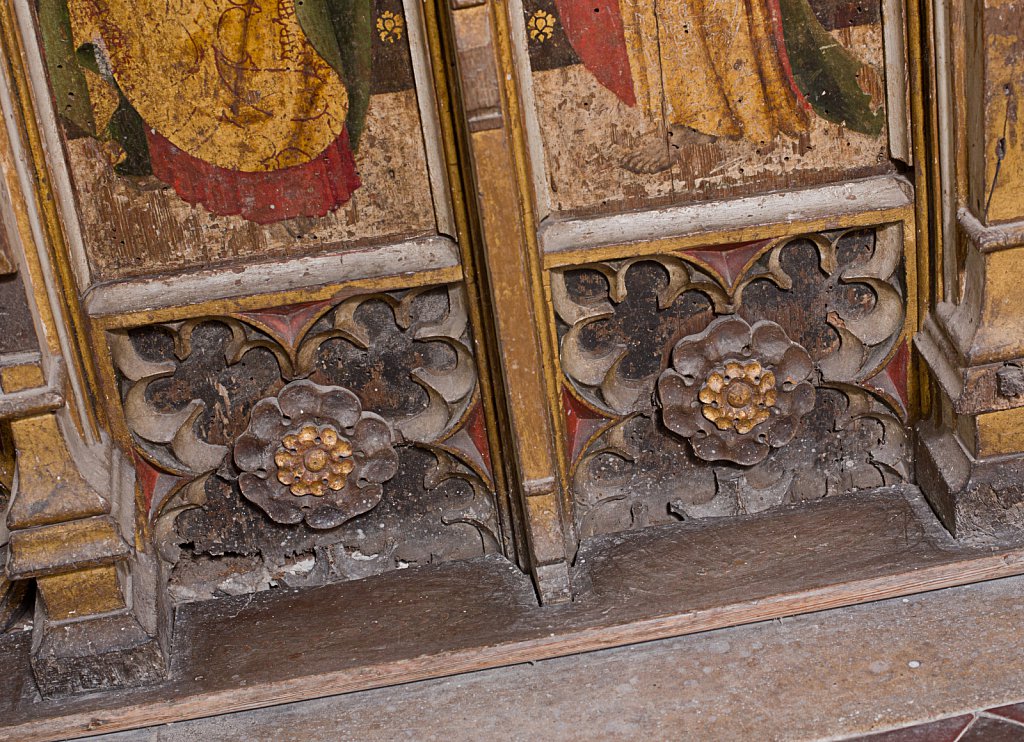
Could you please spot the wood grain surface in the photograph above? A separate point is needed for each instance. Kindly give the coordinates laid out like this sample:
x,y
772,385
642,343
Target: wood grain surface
x,y
277,647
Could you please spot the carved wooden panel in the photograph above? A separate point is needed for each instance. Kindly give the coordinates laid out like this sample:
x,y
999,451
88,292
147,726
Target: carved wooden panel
x,y
313,443
200,133
733,378
638,104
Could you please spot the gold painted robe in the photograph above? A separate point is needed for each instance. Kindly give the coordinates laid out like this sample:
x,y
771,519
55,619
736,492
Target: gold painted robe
x,y
235,83
711,65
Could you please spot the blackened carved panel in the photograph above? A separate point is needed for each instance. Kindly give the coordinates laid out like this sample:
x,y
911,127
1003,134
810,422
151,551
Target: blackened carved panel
x,y
732,379
310,443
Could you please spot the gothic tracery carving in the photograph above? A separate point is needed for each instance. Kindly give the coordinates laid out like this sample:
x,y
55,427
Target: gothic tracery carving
x,y
836,299
218,407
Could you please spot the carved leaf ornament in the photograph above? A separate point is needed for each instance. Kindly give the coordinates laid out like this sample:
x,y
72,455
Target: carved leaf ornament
x,y
311,453
736,391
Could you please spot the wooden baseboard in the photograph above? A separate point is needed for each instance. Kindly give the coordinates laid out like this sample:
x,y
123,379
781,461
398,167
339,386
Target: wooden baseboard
x,y
288,645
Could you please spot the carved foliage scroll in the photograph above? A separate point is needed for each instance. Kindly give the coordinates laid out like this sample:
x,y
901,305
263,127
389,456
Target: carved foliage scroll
x,y
312,443
799,348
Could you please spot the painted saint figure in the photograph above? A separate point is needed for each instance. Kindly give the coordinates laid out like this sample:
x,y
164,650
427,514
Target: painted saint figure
x,y
248,107
737,69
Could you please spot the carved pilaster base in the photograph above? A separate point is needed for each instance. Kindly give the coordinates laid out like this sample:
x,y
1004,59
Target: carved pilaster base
x,y
96,619
111,651
547,548
976,499
970,459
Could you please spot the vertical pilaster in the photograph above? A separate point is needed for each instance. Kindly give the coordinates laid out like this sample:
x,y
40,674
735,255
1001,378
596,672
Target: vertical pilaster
x,y
514,277
971,449
69,493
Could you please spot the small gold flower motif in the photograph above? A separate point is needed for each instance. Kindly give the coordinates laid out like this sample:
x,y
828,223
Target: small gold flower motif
x,y
541,25
390,26
739,396
313,461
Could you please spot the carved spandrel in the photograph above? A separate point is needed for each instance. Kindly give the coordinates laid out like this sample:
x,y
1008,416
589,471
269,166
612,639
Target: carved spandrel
x,y
818,356
397,474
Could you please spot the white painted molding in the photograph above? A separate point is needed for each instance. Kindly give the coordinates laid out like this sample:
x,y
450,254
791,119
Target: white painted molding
x,y
428,253
833,201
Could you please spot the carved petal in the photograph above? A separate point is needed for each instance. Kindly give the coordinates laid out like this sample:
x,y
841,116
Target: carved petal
x,y
299,399
266,422
253,454
344,505
265,493
325,517
373,436
802,400
795,367
688,359
678,402
780,431
726,336
770,343
340,406
744,450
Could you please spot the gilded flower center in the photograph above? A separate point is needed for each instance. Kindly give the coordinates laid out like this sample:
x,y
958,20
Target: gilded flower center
x,y
313,461
316,459
738,394
738,397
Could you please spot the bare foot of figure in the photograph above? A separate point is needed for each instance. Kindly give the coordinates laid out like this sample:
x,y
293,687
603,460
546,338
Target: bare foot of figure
x,y
660,153
299,226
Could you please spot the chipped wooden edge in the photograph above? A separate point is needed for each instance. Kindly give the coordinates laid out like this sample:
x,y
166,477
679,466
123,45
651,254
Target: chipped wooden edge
x,y
897,79
35,69
791,207
430,127
532,128
52,322
966,571
199,288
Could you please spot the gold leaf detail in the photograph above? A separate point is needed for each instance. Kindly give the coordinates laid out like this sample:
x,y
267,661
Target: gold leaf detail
x,y
738,397
541,26
313,461
390,27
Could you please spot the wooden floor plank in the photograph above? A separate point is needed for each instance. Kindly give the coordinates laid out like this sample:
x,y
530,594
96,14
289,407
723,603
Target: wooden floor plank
x,y
288,645
823,676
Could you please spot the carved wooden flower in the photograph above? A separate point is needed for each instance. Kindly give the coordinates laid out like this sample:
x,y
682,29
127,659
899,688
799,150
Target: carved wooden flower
x,y
312,453
736,391
738,396
313,461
